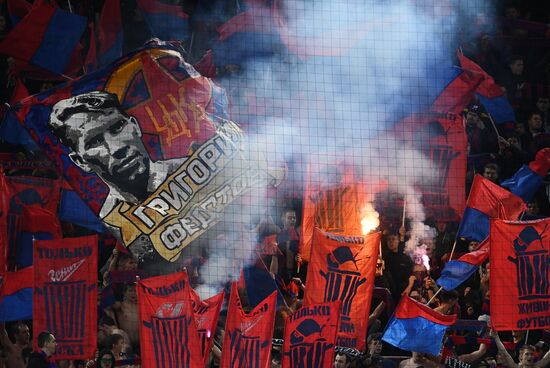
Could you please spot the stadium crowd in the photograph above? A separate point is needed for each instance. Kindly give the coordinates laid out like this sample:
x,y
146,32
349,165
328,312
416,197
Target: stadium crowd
x,y
514,53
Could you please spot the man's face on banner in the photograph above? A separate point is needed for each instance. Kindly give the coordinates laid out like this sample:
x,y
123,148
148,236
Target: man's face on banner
x,y
109,143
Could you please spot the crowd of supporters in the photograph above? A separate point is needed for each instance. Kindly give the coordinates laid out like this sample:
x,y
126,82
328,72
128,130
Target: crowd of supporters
x,y
515,54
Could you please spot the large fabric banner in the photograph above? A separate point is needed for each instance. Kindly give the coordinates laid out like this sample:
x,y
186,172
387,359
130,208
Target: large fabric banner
x,y
310,336
146,144
167,329
519,283
247,340
442,139
65,294
206,314
330,203
343,268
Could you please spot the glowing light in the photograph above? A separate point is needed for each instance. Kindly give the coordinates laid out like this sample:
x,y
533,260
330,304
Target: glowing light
x,y
426,261
370,219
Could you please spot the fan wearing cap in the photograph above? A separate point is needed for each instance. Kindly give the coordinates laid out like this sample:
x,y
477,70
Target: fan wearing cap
x,y
106,140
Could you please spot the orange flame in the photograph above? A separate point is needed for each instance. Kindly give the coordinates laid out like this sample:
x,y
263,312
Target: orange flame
x,y
370,220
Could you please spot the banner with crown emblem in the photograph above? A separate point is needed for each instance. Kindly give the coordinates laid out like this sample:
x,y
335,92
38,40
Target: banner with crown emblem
x,y
519,275
146,143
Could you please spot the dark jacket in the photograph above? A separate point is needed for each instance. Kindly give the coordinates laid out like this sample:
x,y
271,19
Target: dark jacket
x,y
39,360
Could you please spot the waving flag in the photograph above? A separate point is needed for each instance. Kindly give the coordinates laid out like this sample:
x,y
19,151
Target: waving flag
x,y
110,33
310,336
144,132
455,272
519,283
342,268
247,340
487,200
46,37
16,295
65,294
528,179
490,94
166,21
167,328
206,314
416,327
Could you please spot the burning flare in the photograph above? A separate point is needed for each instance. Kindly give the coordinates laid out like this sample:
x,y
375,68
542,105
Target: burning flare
x,y
370,220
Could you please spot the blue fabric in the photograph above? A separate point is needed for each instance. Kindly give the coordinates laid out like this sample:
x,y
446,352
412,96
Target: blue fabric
x,y
524,183
17,306
259,285
113,52
72,209
166,26
499,107
12,132
59,41
474,225
455,273
415,334
23,253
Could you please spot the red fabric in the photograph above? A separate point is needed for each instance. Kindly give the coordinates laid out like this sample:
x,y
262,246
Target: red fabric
x,y
37,220
479,256
330,206
34,191
443,141
457,94
19,8
15,281
247,340
541,164
19,92
206,314
206,66
167,328
65,294
156,6
519,275
493,200
410,308
343,268
90,62
487,87
310,336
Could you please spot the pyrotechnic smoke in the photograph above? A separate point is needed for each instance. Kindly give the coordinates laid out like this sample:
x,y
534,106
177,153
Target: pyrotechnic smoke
x,y
382,60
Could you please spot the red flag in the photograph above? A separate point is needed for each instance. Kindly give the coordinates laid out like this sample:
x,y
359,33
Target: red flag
x,y
443,141
331,206
167,329
65,294
34,191
247,340
342,267
519,275
310,336
458,93
206,314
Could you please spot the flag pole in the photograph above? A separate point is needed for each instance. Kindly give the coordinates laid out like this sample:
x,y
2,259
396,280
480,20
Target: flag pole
x,y
433,297
404,209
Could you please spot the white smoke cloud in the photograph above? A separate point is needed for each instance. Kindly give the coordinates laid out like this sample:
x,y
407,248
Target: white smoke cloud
x,y
339,108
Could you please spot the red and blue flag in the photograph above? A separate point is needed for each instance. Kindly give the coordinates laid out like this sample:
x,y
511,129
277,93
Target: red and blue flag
x,y
487,200
16,302
46,37
528,179
456,272
416,327
490,94
17,9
